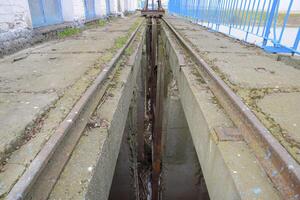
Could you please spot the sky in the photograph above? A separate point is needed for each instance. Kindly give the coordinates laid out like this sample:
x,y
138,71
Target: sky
x,y
284,4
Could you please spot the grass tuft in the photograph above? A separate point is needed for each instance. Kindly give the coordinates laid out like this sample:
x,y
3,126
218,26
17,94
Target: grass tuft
x,y
120,42
68,32
102,22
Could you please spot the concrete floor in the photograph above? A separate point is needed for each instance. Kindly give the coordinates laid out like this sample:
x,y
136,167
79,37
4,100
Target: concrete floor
x,y
270,87
39,85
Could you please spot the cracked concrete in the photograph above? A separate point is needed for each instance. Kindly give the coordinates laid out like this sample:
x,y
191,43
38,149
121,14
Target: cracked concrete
x,y
246,68
47,80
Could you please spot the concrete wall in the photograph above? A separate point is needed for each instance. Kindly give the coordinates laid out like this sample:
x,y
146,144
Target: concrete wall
x,y
14,15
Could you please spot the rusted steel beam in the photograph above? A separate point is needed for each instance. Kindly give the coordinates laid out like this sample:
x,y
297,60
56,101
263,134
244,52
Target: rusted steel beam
x,y
157,13
158,114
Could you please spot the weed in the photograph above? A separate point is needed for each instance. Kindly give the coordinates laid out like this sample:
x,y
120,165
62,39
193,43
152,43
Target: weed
x,y
120,42
102,22
68,32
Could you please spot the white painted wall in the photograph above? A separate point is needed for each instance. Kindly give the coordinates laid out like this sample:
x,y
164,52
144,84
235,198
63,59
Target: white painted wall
x,y
78,10
14,14
113,6
67,10
100,8
121,7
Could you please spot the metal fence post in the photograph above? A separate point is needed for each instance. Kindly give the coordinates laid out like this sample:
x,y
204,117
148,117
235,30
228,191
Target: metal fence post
x,y
269,22
296,43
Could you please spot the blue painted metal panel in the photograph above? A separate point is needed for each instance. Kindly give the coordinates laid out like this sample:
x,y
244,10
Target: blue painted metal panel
x,y
89,9
37,13
53,11
107,7
45,12
248,19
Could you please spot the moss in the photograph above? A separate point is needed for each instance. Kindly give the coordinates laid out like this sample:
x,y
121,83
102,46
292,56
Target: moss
x,y
69,32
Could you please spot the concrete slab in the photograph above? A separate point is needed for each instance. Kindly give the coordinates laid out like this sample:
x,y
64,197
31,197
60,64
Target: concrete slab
x,y
255,71
17,111
5,180
83,44
284,108
208,42
44,72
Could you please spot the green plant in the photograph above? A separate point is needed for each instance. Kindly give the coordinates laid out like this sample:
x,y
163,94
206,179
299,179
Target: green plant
x,y
102,22
68,32
120,42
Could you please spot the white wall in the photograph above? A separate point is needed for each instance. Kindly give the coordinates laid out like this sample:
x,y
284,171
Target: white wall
x,y
113,6
14,14
130,5
78,10
67,10
100,8
121,4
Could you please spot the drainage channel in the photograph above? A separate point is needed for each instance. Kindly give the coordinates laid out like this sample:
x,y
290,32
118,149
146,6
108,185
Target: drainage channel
x,y
152,126
126,137
162,162
194,128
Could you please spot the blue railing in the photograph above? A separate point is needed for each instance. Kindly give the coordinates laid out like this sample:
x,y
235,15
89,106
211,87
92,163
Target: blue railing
x,y
263,22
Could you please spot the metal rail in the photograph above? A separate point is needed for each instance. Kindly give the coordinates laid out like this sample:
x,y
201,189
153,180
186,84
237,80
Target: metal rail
x,y
272,156
258,21
45,169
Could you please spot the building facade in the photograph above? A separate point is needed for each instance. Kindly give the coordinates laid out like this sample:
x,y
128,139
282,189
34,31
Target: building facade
x,y
19,19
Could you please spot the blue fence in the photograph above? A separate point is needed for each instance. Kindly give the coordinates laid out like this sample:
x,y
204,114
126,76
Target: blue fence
x,y
255,21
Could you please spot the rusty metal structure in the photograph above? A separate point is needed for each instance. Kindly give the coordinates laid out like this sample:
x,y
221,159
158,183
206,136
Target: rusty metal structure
x,y
154,90
153,11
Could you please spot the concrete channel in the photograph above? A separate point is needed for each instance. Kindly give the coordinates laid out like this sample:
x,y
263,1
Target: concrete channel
x,y
151,127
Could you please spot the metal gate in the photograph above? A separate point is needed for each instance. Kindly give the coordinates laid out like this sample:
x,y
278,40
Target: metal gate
x,y
89,9
45,12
